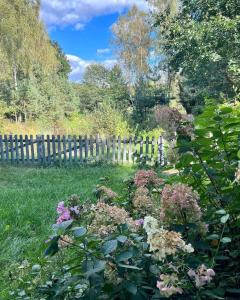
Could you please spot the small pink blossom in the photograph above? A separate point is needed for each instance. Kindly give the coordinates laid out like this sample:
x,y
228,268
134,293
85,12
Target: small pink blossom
x,y
64,213
60,207
167,285
201,276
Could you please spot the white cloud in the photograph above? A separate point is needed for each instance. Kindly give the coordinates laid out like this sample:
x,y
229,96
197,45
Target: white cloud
x,y
73,12
103,51
79,26
79,66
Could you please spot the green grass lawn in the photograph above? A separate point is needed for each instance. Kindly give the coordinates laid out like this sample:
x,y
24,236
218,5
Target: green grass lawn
x,y
28,198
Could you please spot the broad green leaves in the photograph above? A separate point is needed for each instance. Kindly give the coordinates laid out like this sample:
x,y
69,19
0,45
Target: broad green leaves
x,y
109,246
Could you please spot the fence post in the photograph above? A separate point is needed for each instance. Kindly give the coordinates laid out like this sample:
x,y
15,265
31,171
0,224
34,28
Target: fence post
x,y
64,149
32,148
86,148
81,149
6,147
16,148
22,149
48,150
141,147
114,149
59,149
160,151
54,148
27,148
11,148
39,149
153,150
124,150
119,149
97,147
147,148
130,150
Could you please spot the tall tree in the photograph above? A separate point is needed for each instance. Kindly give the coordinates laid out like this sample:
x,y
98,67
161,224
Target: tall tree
x,y
132,38
201,43
64,67
24,44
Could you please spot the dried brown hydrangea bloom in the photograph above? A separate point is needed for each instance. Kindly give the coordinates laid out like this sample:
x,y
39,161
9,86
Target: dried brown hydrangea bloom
x,y
179,203
145,178
142,201
105,194
108,217
64,241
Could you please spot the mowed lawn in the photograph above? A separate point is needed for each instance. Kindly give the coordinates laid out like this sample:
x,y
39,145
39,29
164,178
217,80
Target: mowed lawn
x,y
28,199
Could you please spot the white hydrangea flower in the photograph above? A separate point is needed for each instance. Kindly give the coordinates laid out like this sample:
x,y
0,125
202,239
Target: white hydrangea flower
x,y
150,224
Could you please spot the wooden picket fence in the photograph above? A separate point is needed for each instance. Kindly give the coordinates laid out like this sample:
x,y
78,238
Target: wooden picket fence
x,y
50,150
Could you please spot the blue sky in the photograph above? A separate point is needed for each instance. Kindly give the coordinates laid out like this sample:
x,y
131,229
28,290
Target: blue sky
x,y
83,29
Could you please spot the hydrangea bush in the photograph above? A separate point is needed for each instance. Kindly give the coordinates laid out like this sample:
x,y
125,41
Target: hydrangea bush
x,y
131,251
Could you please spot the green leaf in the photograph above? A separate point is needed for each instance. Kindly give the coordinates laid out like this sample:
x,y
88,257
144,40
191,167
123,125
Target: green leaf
x,y
222,257
79,231
212,295
238,154
124,256
122,238
109,246
213,237
233,291
226,240
53,247
97,266
224,218
130,287
62,226
226,110
129,267
220,212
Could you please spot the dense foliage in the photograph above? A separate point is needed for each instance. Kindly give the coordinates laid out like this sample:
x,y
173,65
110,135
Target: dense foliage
x,y
201,43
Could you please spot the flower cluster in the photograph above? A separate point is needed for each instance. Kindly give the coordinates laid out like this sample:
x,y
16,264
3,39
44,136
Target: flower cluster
x,y
201,276
67,213
145,178
108,217
180,203
63,212
105,194
142,200
167,285
163,242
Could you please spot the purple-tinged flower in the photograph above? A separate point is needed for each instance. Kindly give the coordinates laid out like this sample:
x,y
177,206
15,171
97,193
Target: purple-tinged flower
x,y
75,209
60,207
139,222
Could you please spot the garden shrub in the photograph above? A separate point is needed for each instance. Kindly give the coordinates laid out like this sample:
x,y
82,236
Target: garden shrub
x,y
122,252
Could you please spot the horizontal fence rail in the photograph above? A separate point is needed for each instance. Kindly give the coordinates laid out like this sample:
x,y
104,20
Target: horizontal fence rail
x,y
47,150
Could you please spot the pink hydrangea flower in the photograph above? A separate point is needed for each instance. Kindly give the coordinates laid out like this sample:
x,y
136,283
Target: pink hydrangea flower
x,y
143,178
64,213
168,285
202,275
60,207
